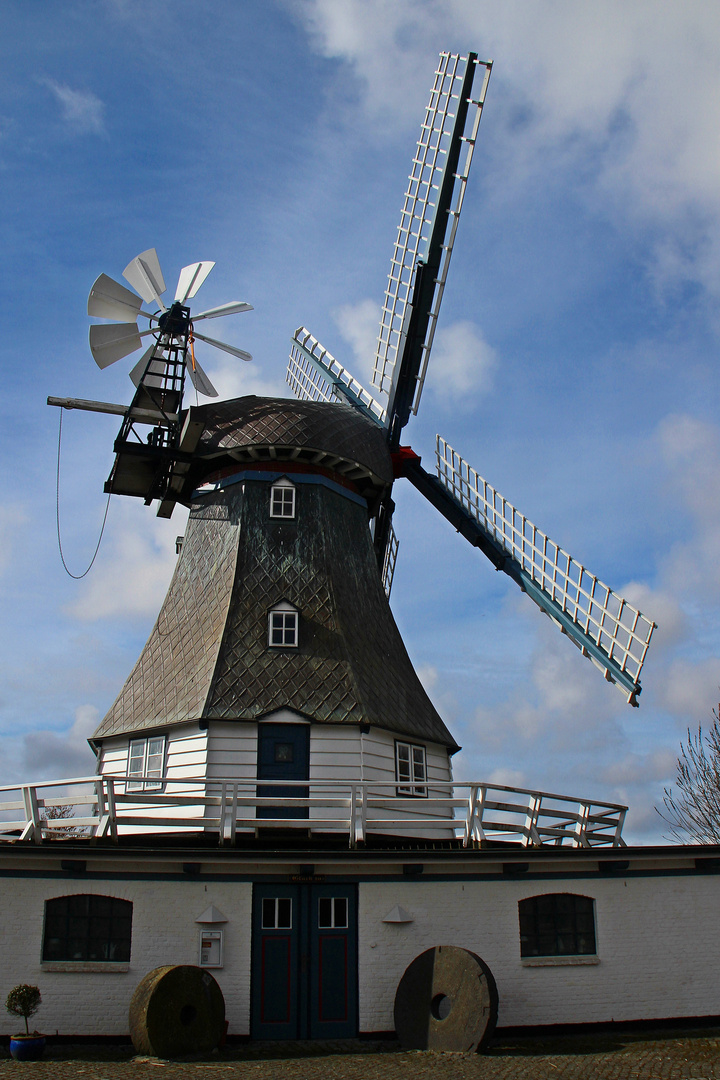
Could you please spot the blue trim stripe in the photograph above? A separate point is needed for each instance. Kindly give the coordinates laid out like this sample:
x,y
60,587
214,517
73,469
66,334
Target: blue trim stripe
x,y
295,478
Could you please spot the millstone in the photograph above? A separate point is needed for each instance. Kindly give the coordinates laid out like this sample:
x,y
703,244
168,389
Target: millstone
x,y
176,1010
446,1000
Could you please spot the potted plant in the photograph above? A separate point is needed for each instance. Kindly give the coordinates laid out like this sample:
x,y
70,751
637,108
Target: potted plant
x,y
25,1001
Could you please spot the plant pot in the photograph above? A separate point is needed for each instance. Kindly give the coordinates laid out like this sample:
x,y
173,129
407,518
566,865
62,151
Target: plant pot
x,y
27,1047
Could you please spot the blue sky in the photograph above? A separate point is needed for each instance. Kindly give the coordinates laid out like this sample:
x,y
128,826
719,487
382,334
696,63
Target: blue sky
x,y
575,365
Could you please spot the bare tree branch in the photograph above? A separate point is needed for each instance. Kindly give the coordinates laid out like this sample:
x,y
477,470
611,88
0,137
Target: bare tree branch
x,y
693,810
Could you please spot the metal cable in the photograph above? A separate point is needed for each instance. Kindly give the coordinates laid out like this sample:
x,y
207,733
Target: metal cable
x,y
77,577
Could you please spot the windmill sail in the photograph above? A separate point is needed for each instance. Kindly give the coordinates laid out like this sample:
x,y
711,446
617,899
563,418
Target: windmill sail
x,y
607,629
314,374
428,223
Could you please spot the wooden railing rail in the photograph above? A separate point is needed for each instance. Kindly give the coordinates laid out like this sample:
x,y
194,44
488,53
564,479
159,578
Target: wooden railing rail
x,y
102,806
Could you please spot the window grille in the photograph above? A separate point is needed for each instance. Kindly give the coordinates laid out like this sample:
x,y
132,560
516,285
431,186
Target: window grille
x,y
87,927
282,500
277,913
283,627
411,769
332,913
557,924
146,759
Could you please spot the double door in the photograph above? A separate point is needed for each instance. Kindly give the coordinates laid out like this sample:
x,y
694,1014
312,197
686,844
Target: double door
x,y
304,961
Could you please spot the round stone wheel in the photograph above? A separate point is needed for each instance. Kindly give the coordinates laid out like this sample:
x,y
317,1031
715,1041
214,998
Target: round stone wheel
x,y
177,1010
446,1000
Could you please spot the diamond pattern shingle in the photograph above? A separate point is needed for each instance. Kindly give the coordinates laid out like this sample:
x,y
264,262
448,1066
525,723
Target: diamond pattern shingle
x,y
208,655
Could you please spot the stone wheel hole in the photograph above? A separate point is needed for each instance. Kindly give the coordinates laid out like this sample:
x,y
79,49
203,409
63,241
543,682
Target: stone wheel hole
x,y
440,1006
187,1015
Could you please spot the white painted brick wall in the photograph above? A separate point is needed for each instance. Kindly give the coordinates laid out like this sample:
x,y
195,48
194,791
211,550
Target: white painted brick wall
x,y
658,947
164,931
657,940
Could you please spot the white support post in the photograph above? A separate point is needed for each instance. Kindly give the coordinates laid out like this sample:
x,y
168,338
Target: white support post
x,y
532,836
476,808
581,826
233,813
222,810
352,830
33,824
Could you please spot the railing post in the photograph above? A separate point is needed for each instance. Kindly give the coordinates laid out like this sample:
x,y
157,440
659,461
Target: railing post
x,y
33,824
531,821
221,813
361,829
580,830
112,812
352,824
617,839
233,812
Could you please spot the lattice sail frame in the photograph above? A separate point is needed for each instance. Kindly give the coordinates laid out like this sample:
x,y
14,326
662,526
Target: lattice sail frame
x,y
418,213
609,630
391,553
313,374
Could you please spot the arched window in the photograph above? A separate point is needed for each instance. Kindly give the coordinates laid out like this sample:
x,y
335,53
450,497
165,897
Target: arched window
x,y
283,621
557,924
86,926
282,499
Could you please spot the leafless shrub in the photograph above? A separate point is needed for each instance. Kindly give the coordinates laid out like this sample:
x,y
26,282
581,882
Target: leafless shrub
x,y
692,810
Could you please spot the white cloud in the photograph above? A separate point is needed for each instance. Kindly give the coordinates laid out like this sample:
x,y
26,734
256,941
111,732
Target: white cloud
x,y
462,364
81,110
133,569
51,754
627,93
358,324
238,378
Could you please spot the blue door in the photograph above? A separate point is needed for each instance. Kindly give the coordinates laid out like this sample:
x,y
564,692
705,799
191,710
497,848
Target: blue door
x,y
283,754
304,961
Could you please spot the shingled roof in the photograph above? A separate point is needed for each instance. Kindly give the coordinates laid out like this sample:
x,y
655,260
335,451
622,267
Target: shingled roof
x,y
208,656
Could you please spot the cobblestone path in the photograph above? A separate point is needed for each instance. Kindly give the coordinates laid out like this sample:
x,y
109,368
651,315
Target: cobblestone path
x,y
657,1055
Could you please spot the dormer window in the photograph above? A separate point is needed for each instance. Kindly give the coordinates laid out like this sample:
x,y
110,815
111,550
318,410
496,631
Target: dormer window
x,y
282,499
283,625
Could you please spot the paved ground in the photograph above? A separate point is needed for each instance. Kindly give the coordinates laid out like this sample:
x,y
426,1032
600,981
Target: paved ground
x,y
657,1055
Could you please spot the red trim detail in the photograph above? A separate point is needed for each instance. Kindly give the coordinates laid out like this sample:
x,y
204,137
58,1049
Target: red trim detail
x,y
400,459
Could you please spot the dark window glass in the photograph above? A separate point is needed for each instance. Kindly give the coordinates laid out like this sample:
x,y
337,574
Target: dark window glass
x,y
268,913
557,924
87,927
284,751
341,911
325,912
284,913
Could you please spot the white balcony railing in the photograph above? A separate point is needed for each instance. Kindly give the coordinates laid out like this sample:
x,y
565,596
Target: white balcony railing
x,y
101,807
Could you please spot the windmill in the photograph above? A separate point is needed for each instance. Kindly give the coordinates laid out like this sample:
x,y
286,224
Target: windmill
x,y
152,467
607,629
275,655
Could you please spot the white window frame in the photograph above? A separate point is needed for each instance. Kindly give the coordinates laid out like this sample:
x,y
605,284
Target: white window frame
x,y
411,769
283,620
149,759
282,500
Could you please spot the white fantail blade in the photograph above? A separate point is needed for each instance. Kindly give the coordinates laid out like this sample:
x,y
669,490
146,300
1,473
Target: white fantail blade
x,y
109,343
225,348
234,308
145,276
109,299
156,370
200,380
190,280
